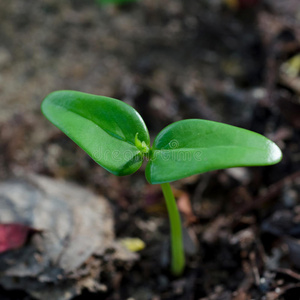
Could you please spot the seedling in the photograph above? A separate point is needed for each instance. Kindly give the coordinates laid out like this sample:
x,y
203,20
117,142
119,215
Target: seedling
x,y
116,137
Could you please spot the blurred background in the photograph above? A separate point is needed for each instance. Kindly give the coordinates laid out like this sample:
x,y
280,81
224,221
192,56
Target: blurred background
x,y
233,61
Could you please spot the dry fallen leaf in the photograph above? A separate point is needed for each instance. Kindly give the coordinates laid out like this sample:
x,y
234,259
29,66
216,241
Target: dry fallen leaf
x,y
76,228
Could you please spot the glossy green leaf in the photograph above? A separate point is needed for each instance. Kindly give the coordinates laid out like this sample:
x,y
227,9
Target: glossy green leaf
x,y
105,128
191,147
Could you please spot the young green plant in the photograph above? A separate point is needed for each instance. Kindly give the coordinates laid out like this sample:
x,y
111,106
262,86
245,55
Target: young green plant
x,y
116,137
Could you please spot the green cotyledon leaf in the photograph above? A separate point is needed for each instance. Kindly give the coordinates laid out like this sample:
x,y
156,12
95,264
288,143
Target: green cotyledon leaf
x,y
105,128
195,146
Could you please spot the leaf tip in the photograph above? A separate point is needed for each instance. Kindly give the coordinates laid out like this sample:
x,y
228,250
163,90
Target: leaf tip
x,y
274,153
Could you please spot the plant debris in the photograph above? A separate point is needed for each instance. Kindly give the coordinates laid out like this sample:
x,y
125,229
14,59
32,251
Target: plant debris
x,y
61,252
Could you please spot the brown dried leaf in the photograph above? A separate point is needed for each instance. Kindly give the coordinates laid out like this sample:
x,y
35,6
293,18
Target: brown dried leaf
x,y
74,223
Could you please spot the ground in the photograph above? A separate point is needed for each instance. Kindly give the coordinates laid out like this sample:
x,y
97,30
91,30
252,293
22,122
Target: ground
x,y
227,61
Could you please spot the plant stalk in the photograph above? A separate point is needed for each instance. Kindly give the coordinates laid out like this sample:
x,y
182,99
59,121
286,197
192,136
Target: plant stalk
x,y
177,252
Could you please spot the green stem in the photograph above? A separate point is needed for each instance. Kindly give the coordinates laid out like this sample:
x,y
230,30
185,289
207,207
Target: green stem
x,y
178,260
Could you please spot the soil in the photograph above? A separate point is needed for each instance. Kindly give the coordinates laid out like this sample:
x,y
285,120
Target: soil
x,y
225,61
